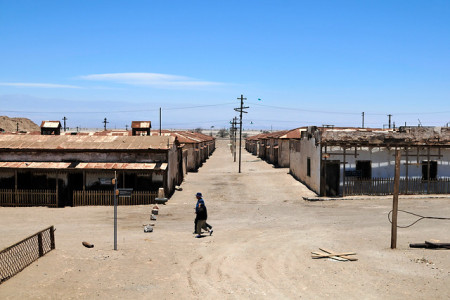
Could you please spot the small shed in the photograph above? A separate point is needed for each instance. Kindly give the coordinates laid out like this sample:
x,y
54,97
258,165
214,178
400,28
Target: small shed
x,y
50,128
141,127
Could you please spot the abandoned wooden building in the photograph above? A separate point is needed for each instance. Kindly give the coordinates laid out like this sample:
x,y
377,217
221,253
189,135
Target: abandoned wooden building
x,y
273,147
62,170
197,147
141,127
51,128
356,161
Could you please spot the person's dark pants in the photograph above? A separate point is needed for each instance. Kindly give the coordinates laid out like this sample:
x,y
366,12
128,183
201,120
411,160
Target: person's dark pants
x,y
195,225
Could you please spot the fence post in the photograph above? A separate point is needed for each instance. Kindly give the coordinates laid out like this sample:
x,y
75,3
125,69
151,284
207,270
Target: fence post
x,y
52,237
40,245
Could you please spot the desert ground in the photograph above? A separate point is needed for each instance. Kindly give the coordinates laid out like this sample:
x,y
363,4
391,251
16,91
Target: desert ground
x,y
264,233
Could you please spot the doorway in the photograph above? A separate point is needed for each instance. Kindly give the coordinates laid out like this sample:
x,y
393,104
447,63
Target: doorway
x,y
330,178
74,183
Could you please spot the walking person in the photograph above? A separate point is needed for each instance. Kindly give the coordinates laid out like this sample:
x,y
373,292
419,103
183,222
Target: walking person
x,y
206,226
202,215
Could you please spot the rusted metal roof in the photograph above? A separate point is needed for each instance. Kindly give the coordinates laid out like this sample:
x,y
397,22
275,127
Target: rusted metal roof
x,y
294,133
50,124
277,134
185,137
83,166
141,124
76,142
256,137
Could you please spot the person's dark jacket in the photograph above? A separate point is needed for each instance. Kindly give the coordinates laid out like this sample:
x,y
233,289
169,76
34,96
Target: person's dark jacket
x,y
202,213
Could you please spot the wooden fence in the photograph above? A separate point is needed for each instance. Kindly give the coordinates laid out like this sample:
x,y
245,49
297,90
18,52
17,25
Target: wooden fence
x,y
385,186
11,197
83,198
17,257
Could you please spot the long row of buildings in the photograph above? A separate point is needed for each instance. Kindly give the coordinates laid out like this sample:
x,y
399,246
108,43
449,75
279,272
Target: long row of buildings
x,y
360,161
57,168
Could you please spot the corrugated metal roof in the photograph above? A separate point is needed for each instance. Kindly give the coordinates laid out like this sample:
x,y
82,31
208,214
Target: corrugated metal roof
x,y
185,137
84,166
76,142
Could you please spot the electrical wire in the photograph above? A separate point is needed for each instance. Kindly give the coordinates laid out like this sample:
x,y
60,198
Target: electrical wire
x,y
346,113
420,218
115,111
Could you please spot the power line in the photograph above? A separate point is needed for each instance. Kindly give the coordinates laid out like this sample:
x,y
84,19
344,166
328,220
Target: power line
x,y
199,106
197,122
115,111
305,110
345,112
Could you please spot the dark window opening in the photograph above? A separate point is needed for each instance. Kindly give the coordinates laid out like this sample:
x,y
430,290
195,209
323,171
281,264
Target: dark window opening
x,y
364,169
308,167
433,170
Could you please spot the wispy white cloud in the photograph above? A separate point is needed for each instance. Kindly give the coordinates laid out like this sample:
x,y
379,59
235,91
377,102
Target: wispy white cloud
x,y
151,79
39,85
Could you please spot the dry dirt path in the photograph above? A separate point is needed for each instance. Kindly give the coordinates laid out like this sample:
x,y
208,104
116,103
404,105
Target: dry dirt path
x,y
263,235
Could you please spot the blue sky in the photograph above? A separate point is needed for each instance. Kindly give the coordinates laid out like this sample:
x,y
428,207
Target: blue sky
x,y
311,62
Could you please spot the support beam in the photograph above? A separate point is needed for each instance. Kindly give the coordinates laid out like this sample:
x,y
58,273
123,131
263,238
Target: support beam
x,y
15,186
428,170
395,200
406,170
343,176
57,189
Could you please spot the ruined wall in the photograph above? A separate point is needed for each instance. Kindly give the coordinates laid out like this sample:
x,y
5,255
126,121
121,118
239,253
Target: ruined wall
x,y
262,149
283,153
294,158
300,151
172,169
192,157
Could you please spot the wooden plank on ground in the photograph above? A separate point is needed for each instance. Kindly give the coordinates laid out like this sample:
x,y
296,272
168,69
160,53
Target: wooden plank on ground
x,y
332,257
346,257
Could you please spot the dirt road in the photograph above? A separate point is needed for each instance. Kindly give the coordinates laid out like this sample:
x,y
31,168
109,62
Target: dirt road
x,y
261,247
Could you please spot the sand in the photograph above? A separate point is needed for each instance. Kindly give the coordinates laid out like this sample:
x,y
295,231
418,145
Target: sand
x,y
264,233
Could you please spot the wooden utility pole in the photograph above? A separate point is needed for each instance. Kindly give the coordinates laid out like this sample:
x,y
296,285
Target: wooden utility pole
x,y
241,110
389,120
106,122
64,119
234,137
395,200
231,137
160,121
115,209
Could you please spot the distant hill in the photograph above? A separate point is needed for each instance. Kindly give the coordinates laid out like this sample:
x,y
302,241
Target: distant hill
x,y
10,124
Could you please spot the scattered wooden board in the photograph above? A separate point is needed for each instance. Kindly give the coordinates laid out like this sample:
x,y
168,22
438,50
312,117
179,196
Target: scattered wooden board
x,y
322,255
344,256
332,257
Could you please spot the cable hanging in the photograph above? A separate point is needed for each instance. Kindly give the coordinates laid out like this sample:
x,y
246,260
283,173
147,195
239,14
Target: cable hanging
x,y
420,218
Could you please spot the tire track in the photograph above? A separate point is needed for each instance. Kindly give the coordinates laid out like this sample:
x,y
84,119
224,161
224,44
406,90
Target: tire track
x,y
189,275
